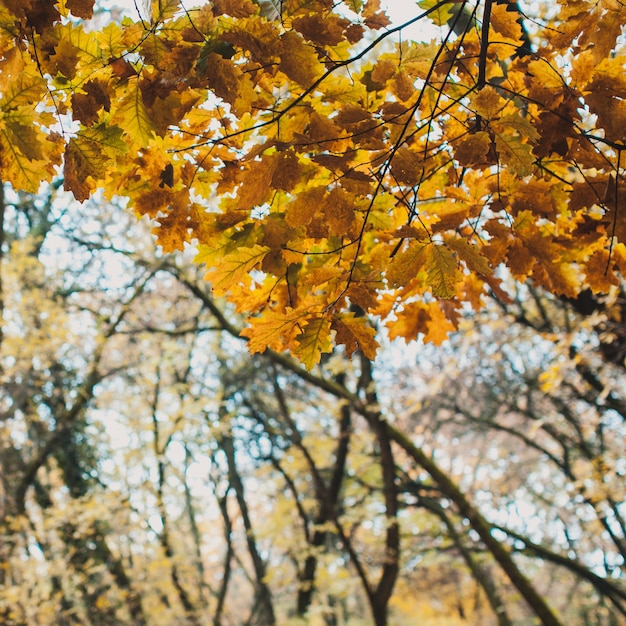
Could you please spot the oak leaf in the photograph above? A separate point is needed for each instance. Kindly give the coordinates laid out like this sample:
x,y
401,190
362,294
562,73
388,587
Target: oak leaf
x,y
442,271
314,340
473,149
487,103
81,8
273,330
131,115
234,268
355,334
299,60
505,22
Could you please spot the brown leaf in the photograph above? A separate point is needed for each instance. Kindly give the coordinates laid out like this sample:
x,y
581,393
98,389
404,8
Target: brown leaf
x,y
255,179
598,272
321,29
41,14
234,8
355,334
407,166
77,173
81,8
287,172
300,212
299,60
375,17
473,149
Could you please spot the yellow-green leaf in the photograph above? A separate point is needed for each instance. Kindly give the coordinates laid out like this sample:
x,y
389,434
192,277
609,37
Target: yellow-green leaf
x,y
313,341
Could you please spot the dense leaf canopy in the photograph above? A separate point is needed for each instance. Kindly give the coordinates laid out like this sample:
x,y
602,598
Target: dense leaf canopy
x,y
325,163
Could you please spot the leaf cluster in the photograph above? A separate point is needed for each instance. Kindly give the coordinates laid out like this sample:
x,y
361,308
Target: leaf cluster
x,y
324,165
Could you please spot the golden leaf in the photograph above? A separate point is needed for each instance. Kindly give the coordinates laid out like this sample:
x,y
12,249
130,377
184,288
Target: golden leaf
x,y
442,271
234,268
313,341
407,264
505,22
439,326
410,321
272,330
515,154
470,254
487,103
131,115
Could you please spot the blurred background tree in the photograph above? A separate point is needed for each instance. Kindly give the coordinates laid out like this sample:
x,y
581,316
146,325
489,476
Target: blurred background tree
x,y
153,472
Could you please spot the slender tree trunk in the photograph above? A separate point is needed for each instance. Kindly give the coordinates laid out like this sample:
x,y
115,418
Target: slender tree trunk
x,y
164,535
380,597
228,535
263,596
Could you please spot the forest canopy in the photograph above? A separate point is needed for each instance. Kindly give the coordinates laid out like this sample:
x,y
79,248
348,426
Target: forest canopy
x,y
325,164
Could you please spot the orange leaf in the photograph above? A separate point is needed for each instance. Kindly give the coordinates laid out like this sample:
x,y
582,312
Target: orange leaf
x,y
355,334
273,330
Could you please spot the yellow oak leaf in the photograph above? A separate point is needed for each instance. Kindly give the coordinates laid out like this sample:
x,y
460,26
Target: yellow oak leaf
x,y
487,103
470,254
24,174
234,268
321,275
505,22
22,132
546,85
18,90
407,264
272,330
442,271
132,116
313,341
515,154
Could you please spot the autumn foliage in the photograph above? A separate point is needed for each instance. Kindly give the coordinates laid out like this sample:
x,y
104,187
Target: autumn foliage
x,y
326,164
